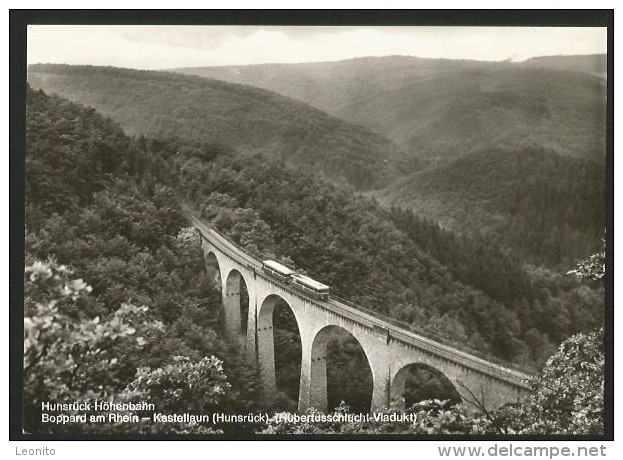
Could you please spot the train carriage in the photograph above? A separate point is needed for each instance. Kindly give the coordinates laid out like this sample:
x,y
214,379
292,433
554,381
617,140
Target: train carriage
x,y
277,270
311,286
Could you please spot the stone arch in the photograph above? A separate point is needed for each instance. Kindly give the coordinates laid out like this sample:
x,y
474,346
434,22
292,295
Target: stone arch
x,y
265,313
318,397
213,270
266,338
440,386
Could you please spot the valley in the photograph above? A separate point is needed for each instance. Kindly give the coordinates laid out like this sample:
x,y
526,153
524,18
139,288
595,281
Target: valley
x,y
452,196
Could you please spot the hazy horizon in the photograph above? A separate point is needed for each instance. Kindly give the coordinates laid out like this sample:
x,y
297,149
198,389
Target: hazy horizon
x,y
170,47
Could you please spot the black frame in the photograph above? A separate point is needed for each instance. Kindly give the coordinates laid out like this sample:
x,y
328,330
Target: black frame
x,y
20,19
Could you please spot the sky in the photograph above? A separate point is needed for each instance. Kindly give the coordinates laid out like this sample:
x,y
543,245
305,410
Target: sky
x,y
162,47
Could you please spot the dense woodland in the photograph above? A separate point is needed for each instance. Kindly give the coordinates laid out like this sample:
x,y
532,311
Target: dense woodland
x,y
516,150
509,153
550,211
148,302
164,105
117,301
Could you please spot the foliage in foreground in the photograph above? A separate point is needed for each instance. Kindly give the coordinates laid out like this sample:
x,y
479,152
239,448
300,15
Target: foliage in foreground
x,y
593,267
568,395
68,359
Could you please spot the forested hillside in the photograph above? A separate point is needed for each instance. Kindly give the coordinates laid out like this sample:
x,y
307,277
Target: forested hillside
x,y
163,105
550,210
440,108
510,154
108,208
115,282
515,151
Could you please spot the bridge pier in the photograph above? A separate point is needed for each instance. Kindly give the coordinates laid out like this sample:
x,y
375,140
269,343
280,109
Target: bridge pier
x,y
266,346
231,314
266,358
251,332
313,383
380,390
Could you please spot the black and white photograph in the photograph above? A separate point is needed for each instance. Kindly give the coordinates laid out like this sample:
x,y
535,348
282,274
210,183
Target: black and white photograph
x,y
342,229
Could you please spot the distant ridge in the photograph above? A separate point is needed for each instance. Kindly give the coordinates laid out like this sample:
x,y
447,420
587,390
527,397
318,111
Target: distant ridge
x,y
439,109
515,150
596,64
165,104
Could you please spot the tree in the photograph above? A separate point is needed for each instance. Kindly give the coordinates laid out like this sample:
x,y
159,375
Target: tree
x,y
182,385
68,359
593,267
568,395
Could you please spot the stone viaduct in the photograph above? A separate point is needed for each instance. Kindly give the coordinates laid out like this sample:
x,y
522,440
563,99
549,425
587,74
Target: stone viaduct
x,y
389,349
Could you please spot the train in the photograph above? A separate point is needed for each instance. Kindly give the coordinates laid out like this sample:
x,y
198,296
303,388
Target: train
x,y
277,270
304,283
